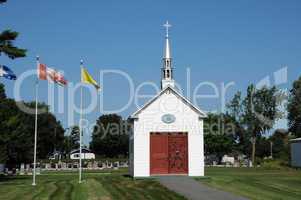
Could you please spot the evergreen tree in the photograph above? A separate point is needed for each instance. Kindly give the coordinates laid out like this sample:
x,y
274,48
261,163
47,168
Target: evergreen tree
x,y
71,142
74,138
7,46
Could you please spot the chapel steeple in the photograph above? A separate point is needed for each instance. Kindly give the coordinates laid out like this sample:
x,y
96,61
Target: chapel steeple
x,y
167,70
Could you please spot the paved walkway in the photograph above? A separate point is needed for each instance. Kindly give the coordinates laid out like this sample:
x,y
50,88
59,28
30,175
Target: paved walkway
x,y
194,190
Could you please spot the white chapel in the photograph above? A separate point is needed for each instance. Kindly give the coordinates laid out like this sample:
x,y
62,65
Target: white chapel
x,y
167,134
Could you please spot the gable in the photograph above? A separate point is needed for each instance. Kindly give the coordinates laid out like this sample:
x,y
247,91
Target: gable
x,y
166,94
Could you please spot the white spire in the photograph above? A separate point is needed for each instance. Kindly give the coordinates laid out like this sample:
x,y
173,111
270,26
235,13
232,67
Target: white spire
x,y
167,71
167,53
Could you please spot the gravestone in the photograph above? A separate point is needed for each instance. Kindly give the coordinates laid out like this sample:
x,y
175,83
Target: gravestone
x,y
124,164
2,167
38,170
22,169
29,171
103,165
109,165
90,165
69,165
64,165
47,166
95,165
116,165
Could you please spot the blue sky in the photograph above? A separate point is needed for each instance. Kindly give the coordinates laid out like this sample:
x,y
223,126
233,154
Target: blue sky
x,y
220,41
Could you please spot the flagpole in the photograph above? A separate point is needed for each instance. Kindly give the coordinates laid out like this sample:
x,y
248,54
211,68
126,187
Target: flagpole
x,y
35,129
80,126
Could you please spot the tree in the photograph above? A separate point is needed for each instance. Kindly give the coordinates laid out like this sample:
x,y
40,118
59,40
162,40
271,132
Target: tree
x,y
219,135
109,138
74,138
7,37
3,152
234,107
258,112
261,108
280,141
294,109
235,111
218,145
262,148
71,141
16,133
2,92
7,47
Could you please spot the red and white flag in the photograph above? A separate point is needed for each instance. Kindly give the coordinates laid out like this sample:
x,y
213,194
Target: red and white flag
x,y
47,73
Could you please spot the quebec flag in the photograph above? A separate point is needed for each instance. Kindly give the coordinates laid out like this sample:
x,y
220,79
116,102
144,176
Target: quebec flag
x,y
7,73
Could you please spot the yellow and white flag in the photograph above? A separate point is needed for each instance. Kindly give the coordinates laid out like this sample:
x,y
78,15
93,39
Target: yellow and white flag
x,y
87,78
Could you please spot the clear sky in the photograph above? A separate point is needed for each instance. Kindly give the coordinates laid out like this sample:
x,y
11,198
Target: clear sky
x,y
242,41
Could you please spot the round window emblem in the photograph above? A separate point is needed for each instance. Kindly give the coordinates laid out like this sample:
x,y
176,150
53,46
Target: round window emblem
x,y
168,118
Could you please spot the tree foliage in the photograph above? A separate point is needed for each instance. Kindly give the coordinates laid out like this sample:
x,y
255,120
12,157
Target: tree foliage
x,y
17,133
71,141
218,145
294,109
219,135
256,113
109,138
280,140
2,92
7,46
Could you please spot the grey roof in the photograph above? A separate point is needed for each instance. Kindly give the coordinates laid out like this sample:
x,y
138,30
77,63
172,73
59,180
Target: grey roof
x,y
84,150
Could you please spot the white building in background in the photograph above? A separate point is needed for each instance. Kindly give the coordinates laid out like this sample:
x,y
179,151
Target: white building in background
x,y
167,135
86,154
228,159
296,152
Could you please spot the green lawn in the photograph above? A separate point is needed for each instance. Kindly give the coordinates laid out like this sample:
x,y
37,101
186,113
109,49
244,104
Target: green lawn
x,y
96,186
251,183
256,183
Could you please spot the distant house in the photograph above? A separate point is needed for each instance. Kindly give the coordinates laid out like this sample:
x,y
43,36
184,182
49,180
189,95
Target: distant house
x,y
86,154
296,152
56,155
228,159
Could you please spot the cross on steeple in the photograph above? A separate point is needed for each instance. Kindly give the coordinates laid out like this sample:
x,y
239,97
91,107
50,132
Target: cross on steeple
x,y
167,26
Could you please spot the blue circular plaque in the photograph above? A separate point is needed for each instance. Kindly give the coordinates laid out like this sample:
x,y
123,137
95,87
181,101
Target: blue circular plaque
x,y
168,118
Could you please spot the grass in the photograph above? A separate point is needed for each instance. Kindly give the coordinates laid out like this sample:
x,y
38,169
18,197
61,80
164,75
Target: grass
x,y
96,186
256,183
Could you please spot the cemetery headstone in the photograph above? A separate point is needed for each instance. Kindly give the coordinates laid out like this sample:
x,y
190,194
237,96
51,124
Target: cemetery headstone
x,y
22,169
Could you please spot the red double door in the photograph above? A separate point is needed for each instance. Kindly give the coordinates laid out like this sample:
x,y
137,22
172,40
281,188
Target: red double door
x,y
168,153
